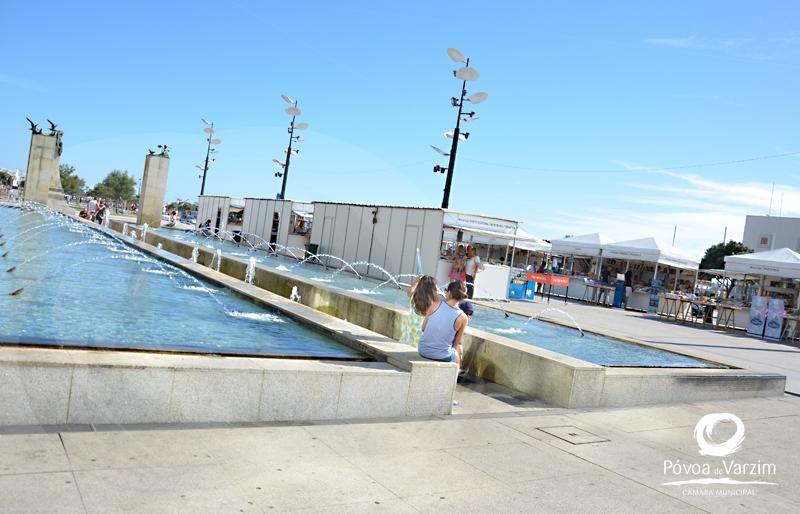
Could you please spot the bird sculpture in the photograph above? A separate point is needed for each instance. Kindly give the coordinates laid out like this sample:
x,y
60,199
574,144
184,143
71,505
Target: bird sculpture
x,y
164,150
34,127
150,152
53,126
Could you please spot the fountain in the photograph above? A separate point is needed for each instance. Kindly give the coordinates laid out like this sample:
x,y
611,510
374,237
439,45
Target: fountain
x,y
195,253
250,273
551,309
295,296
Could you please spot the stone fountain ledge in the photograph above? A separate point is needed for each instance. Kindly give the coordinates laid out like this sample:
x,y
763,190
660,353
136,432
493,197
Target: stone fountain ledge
x,y
65,386
549,376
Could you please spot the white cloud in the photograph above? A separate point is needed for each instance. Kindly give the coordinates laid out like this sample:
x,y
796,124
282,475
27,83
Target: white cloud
x,y
700,208
21,83
695,42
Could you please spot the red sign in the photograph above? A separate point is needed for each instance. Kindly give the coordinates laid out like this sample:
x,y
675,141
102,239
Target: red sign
x,y
552,280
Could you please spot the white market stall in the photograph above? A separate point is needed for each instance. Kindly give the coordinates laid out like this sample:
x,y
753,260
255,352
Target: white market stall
x,y
528,243
648,256
485,232
778,290
585,246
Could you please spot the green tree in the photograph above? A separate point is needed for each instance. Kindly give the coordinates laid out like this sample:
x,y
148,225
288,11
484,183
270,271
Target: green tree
x,y
714,257
118,185
71,183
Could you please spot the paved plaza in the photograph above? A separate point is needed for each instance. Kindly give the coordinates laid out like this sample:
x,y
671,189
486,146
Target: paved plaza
x,y
508,460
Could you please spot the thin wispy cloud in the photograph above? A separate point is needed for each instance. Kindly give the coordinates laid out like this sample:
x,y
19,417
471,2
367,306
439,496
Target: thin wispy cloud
x,y
695,42
752,49
701,209
21,83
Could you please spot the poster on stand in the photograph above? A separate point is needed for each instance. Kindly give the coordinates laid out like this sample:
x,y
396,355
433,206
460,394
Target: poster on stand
x,y
758,314
774,319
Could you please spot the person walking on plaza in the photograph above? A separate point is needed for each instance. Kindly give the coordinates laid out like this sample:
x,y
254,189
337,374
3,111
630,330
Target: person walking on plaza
x,y
444,322
471,268
91,207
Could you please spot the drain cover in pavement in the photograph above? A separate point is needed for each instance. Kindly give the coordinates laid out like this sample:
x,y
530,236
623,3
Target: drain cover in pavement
x,y
573,435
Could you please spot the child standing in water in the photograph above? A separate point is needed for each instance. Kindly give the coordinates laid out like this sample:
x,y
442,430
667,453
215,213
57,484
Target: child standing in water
x,y
444,323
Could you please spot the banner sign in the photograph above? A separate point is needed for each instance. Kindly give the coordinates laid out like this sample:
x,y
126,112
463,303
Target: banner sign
x,y
462,221
758,315
550,280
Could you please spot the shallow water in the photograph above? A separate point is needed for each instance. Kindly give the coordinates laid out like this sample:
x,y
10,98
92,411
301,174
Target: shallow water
x,y
592,348
106,294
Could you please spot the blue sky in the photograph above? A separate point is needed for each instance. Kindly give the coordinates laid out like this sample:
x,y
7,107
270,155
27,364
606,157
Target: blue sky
x,y
578,86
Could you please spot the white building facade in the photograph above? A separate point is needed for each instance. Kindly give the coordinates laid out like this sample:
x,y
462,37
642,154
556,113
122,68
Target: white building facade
x,y
765,233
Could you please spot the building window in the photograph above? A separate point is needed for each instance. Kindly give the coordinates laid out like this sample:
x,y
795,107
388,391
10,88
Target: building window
x,y
763,241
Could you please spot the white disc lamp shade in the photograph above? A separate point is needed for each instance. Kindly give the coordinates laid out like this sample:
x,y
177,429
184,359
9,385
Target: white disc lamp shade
x,y
456,55
461,136
439,150
478,97
467,74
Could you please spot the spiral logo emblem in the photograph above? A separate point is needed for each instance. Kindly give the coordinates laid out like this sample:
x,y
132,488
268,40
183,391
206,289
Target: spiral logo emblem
x,y
705,429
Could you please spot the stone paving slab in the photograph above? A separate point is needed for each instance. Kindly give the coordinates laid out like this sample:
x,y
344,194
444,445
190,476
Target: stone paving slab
x,y
469,464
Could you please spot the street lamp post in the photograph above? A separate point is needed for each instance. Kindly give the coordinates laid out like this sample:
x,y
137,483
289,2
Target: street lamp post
x,y
294,112
465,74
209,130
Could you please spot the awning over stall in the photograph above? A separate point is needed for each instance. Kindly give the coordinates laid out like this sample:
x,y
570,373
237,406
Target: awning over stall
x,y
649,249
529,242
478,229
586,245
783,262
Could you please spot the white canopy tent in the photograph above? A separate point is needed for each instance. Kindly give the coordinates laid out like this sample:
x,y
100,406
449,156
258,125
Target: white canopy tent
x,y
783,263
649,249
586,245
526,241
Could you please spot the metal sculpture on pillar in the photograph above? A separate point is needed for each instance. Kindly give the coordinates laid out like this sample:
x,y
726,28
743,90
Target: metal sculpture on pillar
x,y
294,112
42,180
465,74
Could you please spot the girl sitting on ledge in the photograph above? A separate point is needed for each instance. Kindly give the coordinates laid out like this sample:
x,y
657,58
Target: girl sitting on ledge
x,y
444,323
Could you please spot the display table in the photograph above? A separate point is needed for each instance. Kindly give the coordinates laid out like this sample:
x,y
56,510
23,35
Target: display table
x,y
733,317
638,301
669,305
491,283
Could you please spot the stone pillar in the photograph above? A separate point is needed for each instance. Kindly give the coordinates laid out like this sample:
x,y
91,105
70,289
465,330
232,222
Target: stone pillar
x,y
43,181
154,187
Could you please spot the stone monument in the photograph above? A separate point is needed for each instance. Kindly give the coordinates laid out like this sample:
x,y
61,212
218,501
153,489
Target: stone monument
x,y
43,181
154,187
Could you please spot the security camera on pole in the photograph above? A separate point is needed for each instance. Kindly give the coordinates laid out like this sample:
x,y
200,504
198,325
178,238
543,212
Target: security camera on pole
x,y
465,74
294,112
